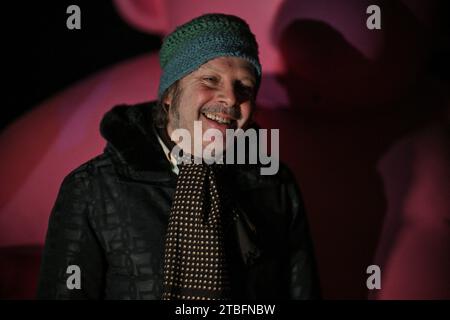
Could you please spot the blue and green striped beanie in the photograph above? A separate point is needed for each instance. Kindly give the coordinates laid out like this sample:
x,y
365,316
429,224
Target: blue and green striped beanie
x,y
202,39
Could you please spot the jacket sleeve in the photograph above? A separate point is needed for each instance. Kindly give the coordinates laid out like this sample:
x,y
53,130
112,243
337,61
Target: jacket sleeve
x,y
71,243
304,281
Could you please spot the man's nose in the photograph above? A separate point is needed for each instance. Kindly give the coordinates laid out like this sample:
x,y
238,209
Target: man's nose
x,y
227,95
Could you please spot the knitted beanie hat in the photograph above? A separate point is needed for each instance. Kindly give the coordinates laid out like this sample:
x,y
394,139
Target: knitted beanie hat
x,y
202,39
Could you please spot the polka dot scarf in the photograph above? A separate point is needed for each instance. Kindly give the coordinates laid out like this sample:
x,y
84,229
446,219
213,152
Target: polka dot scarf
x,y
195,266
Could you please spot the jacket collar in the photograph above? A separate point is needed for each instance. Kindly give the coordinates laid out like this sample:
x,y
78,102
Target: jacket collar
x,y
131,137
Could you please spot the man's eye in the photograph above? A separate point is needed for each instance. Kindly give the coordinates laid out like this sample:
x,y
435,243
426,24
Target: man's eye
x,y
247,89
245,92
210,79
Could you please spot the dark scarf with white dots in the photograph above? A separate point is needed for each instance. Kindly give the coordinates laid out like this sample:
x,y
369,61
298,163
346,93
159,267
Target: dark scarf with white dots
x,y
195,261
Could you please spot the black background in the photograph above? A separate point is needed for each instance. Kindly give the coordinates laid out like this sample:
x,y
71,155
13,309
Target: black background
x,y
42,56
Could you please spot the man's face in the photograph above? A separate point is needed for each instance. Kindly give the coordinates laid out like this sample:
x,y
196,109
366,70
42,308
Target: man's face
x,y
220,94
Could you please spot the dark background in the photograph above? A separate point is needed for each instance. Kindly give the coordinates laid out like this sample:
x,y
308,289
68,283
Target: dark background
x,y
43,56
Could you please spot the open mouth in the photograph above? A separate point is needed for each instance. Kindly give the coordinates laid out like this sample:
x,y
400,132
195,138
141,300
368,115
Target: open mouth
x,y
219,119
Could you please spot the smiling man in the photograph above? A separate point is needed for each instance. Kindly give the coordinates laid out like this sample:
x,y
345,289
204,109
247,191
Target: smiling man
x,y
135,223
209,96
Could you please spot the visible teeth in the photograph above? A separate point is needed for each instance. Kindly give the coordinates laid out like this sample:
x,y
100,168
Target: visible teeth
x,y
217,118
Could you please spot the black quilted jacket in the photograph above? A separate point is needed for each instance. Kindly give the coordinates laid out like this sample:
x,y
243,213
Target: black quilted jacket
x,y
111,214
